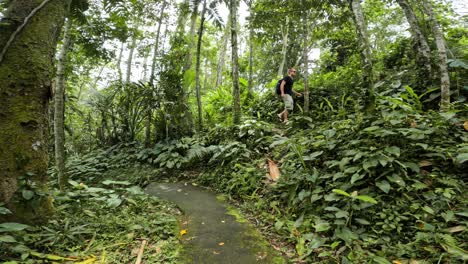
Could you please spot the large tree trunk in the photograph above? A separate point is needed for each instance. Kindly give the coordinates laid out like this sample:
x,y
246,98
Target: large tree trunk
x,y
441,48
284,50
366,57
59,108
26,72
222,55
197,67
251,47
235,62
305,58
424,51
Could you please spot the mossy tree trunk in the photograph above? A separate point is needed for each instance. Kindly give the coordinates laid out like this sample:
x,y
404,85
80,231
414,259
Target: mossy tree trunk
x,y
222,55
423,49
442,52
197,67
235,62
26,73
366,55
59,105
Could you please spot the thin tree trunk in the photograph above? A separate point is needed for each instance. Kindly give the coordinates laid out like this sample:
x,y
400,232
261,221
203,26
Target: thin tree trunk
x,y
130,55
222,56
367,71
182,18
305,58
119,61
251,47
59,108
235,62
25,88
156,44
284,50
420,40
197,67
193,22
442,51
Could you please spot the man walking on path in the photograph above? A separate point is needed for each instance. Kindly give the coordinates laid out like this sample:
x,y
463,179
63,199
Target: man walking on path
x,y
286,91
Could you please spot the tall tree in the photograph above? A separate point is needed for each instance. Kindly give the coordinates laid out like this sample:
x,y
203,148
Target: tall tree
x,y
133,45
251,47
305,58
222,55
59,112
149,113
284,49
233,5
442,52
197,67
26,71
424,52
366,56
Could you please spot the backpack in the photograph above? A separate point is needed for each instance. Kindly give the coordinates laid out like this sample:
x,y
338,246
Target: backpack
x,y
278,87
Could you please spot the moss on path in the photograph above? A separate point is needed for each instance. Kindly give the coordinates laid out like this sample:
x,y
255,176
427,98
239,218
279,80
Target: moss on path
x,y
216,233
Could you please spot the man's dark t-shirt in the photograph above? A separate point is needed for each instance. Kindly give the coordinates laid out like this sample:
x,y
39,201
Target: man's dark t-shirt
x,y
288,85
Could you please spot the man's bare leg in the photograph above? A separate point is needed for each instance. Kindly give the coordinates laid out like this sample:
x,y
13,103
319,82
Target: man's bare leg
x,y
285,116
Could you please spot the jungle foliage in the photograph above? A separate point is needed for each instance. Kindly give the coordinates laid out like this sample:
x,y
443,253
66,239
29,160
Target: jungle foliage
x,y
372,170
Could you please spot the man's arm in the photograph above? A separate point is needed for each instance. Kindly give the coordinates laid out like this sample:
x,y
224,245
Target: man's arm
x,y
296,93
282,87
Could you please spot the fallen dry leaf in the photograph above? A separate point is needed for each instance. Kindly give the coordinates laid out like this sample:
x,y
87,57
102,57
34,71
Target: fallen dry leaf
x,y
274,172
183,232
465,125
424,163
221,244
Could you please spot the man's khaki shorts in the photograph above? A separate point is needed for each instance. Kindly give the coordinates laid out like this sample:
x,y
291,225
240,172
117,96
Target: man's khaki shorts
x,y
288,102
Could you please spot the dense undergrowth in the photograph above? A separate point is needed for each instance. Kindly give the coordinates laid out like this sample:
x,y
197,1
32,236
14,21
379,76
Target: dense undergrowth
x,y
354,188
98,219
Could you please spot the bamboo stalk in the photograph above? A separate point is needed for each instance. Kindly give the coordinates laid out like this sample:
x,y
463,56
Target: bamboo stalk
x,y
140,252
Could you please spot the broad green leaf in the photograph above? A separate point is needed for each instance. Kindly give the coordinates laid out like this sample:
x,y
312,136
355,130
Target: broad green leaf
x,y
428,209
7,239
356,177
12,227
362,221
114,202
346,234
27,194
393,150
465,214
338,191
366,198
4,211
461,158
321,226
384,186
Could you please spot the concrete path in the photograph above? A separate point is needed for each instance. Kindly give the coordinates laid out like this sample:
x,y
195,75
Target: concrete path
x,y
214,234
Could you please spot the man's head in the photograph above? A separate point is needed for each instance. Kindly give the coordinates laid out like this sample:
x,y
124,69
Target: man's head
x,y
292,72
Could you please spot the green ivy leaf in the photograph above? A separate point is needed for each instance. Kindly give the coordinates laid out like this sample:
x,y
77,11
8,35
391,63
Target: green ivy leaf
x,y
356,177
393,150
384,186
109,182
